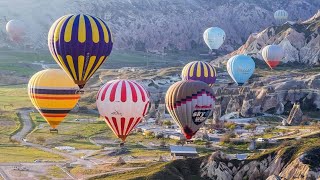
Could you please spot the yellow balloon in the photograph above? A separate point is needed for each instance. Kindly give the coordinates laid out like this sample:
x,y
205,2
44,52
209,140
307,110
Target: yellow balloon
x,y
53,94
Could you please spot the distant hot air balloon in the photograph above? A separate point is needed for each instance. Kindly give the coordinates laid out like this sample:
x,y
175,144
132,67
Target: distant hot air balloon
x,y
16,30
240,68
190,103
214,37
281,16
123,103
201,71
80,44
53,94
272,55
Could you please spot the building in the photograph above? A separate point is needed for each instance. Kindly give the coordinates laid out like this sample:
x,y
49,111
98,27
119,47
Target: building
x,y
65,148
178,152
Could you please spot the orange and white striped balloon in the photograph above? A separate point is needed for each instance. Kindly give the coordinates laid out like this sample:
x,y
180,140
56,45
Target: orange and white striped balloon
x,y
123,103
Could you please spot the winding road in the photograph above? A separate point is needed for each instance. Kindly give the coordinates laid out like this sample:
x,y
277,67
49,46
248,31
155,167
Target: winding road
x,y
27,127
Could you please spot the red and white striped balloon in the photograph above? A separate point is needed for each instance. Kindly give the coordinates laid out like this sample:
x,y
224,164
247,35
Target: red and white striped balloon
x,y
123,103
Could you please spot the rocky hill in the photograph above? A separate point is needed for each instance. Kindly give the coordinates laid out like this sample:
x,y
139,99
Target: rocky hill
x,y
156,25
273,94
286,163
300,41
293,160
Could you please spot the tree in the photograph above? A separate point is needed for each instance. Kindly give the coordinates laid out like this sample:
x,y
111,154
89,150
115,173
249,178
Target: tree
x,y
149,134
181,142
227,137
250,127
230,125
162,144
207,144
167,123
40,139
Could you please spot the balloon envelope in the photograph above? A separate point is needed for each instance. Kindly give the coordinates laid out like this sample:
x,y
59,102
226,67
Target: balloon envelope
x,y
272,55
80,44
201,71
53,94
240,68
123,103
281,15
214,37
15,29
190,103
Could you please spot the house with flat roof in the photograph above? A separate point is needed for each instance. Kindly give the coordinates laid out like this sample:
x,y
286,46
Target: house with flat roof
x,y
178,152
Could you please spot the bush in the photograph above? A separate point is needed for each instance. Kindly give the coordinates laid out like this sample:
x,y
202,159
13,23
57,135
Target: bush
x,y
167,123
250,127
230,125
40,139
149,134
226,138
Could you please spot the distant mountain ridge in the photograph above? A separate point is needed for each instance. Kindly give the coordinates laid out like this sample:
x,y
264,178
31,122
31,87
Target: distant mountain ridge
x,y
156,25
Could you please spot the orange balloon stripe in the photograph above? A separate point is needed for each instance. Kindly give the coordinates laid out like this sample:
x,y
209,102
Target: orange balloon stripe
x,y
54,115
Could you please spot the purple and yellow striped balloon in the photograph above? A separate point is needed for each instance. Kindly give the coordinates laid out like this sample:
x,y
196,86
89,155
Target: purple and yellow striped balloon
x,y
199,71
80,44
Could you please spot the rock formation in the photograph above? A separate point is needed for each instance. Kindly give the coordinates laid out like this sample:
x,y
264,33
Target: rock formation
x,y
299,40
272,166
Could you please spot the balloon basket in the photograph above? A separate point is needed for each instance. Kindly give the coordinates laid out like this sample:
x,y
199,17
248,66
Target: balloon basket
x,y
54,130
121,145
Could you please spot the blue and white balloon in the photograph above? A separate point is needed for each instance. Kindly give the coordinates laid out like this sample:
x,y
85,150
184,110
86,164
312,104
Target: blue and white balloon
x,y
240,68
214,37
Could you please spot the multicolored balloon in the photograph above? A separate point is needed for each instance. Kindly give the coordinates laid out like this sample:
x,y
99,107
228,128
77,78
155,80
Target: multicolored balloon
x,y
190,103
80,44
214,37
272,55
123,103
201,71
16,30
53,94
240,68
281,16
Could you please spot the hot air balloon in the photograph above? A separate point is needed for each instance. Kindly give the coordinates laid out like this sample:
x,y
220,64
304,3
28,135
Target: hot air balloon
x,y
272,55
53,94
201,71
240,68
80,44
281,16
16,30
123,103
214,37
189,103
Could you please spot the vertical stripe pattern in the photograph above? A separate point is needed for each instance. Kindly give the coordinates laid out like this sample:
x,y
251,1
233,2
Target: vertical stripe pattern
x,y
281,16
123,103
53,94
80,44
199,71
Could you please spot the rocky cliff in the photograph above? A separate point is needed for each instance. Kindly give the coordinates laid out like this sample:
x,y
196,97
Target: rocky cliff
x,y
299,40
274,95
277,165
156,25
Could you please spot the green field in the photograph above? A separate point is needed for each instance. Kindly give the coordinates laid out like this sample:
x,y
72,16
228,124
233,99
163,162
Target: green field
x,y
25,154
71,132
12,98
